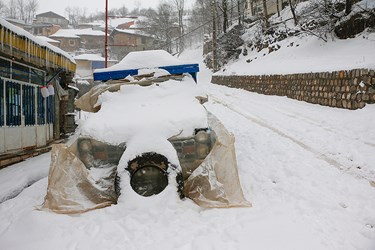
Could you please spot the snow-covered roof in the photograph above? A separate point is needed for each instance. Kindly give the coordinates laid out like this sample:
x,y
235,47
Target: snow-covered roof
x,y
22,32
132,32
89,32
47,39
118,21
67,33
76,33
50,14
114,22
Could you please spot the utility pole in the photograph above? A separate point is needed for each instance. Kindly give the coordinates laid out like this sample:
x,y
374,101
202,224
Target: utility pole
x,y
106,35
214,36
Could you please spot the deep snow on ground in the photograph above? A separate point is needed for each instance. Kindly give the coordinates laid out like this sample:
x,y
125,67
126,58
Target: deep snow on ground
x,y
307,54
15,178
304,53
307,169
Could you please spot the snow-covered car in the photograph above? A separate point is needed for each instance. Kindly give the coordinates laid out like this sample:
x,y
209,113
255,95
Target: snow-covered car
x,y
148,129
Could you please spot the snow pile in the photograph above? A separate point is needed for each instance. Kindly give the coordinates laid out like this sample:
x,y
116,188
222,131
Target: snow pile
x,y
162,110
15,178
145,59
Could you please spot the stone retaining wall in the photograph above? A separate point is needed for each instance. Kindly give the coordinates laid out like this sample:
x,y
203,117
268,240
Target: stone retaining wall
x,y
350,89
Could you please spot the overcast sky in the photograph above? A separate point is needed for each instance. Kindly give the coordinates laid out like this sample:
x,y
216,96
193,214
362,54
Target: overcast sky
x,y
92,6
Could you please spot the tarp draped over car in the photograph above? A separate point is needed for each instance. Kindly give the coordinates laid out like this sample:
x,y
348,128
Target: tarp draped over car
x,y
215,183
72,188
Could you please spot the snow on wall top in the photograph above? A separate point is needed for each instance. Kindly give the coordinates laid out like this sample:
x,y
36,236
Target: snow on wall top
x,y
21,32
145,59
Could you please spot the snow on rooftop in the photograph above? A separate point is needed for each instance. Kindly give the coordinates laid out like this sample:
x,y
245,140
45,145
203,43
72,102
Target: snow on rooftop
x,y
114,22
68,33
145,59
47,39
75,33
41,42
133,32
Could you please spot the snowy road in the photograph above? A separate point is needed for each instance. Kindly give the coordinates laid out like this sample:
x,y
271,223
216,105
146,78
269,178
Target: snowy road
x,y
306,168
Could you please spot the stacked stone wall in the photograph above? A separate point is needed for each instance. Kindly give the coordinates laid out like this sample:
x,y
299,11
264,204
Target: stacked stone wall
x,y
350,89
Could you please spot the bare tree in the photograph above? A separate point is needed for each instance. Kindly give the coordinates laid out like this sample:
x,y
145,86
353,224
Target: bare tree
x,y
21,7
76,15
31,8
12,9
292,9
180,6
3,8
160,24
224,9
252,7
123,11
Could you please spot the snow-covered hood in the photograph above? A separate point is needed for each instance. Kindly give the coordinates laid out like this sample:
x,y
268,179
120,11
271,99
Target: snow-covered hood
x,y
166,109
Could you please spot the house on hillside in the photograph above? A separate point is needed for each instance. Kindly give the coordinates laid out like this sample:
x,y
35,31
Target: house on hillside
x,y
43,29
91,39
72,40
47,24
30,114
124,41
52,18
255,7
68,39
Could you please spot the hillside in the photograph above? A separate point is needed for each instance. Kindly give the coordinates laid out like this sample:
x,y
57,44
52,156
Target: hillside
x,y
313,45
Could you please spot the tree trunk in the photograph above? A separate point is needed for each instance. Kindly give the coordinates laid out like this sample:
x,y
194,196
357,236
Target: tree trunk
x,y
348,6
293,12
265,13
225,15
252,7
214,36
278,7
239,12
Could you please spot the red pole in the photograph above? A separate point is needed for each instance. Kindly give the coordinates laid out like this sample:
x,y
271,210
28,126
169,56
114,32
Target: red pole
x,y
106,34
